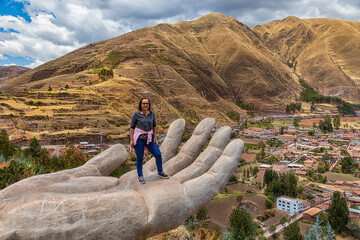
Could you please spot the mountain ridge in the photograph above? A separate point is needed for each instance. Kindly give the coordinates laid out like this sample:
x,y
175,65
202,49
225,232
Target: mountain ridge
x,y
214,66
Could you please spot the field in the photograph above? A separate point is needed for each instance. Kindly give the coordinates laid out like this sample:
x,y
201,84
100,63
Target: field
x,y
353,122
340,177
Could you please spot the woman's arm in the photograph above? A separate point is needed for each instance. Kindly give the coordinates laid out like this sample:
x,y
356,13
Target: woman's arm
x,y
154,132
132,137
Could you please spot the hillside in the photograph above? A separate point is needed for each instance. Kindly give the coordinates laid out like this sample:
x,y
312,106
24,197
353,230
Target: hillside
x,y
324,52
190,69
7,72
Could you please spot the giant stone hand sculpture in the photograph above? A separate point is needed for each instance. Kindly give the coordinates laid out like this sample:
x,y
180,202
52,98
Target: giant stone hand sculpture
x,y
84,203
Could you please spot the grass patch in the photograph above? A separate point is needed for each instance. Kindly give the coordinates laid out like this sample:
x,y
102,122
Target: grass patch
x,y
226,195
332,176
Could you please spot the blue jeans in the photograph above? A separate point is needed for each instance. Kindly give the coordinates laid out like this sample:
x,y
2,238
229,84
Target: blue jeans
x,y
155,151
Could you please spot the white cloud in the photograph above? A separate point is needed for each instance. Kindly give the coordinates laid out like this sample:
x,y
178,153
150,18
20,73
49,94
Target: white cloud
x,y
2,57
11,64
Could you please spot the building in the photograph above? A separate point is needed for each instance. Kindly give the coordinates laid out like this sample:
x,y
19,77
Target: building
x,y
286,137
290,205
311,213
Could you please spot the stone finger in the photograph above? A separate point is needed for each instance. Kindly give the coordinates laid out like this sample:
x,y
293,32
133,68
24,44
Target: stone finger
x,y
207,158
191,149
202,189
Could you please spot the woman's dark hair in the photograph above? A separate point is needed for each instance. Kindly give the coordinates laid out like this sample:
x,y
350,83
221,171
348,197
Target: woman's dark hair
x,y
140,108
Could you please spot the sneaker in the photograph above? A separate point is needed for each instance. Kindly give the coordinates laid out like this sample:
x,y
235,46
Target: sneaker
x,y
141,180
163,175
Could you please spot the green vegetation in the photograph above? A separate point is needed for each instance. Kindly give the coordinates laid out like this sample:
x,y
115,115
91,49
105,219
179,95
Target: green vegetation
x,y
246,106
273,142
7,148
32,103
241,225
337,121
348,164
35,160
326,125
106,73
233,115
311,95
280,184
267,214
200,219
292,232
338,212
319,232
296,122
261,155
293,107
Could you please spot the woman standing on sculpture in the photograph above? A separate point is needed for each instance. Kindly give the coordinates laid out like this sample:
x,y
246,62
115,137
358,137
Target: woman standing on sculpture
x,y
143,135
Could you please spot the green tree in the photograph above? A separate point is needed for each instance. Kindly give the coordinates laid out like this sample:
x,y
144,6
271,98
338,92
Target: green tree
x,y
255,171
292,232
337,121
272,228
347,164
202,214
34,147
284,220
296,122
50,89
269,176
319,233
73,158
7,148
326,125
268,203
314,125
338,212
241,225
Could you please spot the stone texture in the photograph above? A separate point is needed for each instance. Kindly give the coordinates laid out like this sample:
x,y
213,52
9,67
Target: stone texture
x,y
83,203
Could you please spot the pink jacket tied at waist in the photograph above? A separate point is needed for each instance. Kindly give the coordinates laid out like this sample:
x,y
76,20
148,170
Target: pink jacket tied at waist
x,y
137,133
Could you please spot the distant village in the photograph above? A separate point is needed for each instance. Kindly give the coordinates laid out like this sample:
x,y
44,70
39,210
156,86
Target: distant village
x,y
304,152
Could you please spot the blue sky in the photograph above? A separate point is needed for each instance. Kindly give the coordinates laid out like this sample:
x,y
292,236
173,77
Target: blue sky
x,y
33,32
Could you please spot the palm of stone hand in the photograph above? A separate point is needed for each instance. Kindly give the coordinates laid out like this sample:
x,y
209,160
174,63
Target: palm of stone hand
x,y
84,203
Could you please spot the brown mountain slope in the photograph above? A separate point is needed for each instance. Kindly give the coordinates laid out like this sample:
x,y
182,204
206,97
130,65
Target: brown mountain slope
x,y
325,52
11,71
214,57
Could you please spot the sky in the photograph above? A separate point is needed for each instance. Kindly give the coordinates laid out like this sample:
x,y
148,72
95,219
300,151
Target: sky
x,y
33,32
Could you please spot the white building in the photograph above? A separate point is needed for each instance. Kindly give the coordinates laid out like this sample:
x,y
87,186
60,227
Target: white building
x,y
290,205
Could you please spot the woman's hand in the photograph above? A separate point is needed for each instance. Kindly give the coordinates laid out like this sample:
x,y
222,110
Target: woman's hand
x,y
132,143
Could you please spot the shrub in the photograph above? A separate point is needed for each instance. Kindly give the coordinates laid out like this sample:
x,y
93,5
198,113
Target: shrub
x,y
268,203
233,115
233,178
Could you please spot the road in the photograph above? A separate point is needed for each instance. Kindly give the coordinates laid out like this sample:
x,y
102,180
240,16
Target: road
x,y
280,227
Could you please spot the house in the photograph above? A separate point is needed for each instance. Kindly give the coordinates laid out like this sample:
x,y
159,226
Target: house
x,y
309,163
300,173
325,196
290,205
286,137
295,166
311,213
354,213
265,166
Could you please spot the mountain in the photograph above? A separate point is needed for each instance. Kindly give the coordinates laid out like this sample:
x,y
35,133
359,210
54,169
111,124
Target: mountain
x,y
214,66
7,72
212,58
324,52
